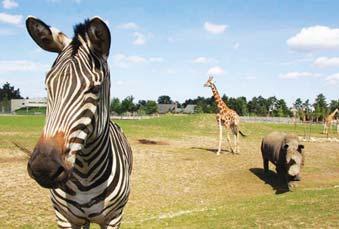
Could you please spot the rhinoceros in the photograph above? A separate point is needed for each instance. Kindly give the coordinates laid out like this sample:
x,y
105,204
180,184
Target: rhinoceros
x,y
286,153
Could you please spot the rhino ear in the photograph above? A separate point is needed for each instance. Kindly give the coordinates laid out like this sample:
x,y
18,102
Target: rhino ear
x,y
285,146
300,147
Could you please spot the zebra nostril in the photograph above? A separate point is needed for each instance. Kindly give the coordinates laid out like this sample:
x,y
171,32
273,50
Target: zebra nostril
x,y
57,173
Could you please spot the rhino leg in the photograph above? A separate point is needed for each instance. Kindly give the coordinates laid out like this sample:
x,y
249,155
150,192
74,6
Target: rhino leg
x,y
265,165
297,177
282,173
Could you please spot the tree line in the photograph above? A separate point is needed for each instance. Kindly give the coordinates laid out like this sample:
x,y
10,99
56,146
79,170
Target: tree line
x,y
257,106
269,107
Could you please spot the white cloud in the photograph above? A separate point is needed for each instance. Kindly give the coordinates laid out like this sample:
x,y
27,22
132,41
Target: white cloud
x,y
119,82
123,61
128,25
216,70
9,4
171,71
297,75
200,60
203,60
315,38
324,62
7,66
250,77
236,45
214,28
333,79
10,18
136,59
298,61
156,59
139,38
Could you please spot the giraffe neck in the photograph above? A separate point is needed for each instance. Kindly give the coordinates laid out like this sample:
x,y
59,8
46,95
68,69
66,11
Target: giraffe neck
x,y
333,113
220,103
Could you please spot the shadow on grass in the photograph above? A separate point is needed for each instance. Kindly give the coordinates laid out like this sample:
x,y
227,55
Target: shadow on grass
x,y
211,150
272,179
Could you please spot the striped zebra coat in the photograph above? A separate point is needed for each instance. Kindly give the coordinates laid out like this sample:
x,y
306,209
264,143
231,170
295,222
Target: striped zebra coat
x,y
81,156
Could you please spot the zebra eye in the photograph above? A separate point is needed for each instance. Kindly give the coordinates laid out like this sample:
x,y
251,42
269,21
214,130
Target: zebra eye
x,y
95,89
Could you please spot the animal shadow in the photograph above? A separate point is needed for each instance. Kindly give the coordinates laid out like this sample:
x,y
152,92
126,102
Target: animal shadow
x,y
211,150
151,142
272,179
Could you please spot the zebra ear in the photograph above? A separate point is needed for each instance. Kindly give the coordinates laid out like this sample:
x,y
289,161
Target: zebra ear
x,y
99,36
48,38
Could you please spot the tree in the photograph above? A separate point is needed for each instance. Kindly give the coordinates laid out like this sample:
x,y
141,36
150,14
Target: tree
x,y
151,107
116,106
238,104
141,103
179,105
298,105
258,106
165,99
242,106
271,105
281,109
320,107
198,109
127,104
307,109
333,105
7,92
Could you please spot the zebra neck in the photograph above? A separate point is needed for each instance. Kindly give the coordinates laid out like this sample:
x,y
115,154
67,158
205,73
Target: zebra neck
x,y
97,148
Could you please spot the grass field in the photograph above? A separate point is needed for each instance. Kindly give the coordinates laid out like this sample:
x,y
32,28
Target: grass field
x,y
182,183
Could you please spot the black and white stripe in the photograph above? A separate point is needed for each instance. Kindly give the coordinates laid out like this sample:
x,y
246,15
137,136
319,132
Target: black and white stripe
x,y
78,89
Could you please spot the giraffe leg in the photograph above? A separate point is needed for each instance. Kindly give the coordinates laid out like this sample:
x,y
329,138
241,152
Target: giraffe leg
x,y
325,129
229,142
220,137
236,145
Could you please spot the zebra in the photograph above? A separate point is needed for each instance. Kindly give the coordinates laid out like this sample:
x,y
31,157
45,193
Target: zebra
x,y
81,156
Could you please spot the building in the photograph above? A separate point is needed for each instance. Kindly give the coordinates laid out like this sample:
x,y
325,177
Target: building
x,y
17,104
173,108
166,108
189,109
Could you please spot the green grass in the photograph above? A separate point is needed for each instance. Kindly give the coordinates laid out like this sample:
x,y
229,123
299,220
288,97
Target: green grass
x,y
183,184
303,209
31,111
163,128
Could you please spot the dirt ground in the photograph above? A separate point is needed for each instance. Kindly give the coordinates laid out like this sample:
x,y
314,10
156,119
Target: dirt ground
x,y
181,176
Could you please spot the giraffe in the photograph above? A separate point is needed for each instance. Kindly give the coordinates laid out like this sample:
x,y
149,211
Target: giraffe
x,y
225,117
328,121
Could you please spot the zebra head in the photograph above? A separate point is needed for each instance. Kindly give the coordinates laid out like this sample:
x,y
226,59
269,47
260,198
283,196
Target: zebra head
x,y
77,97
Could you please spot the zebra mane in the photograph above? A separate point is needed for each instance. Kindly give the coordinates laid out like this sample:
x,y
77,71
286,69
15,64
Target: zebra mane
x,y
79,30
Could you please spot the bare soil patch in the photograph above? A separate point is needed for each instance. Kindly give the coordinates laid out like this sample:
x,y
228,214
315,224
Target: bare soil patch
x,y
152,142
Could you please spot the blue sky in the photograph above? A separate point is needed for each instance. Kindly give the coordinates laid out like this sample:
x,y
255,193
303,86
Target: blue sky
x,y
287,49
